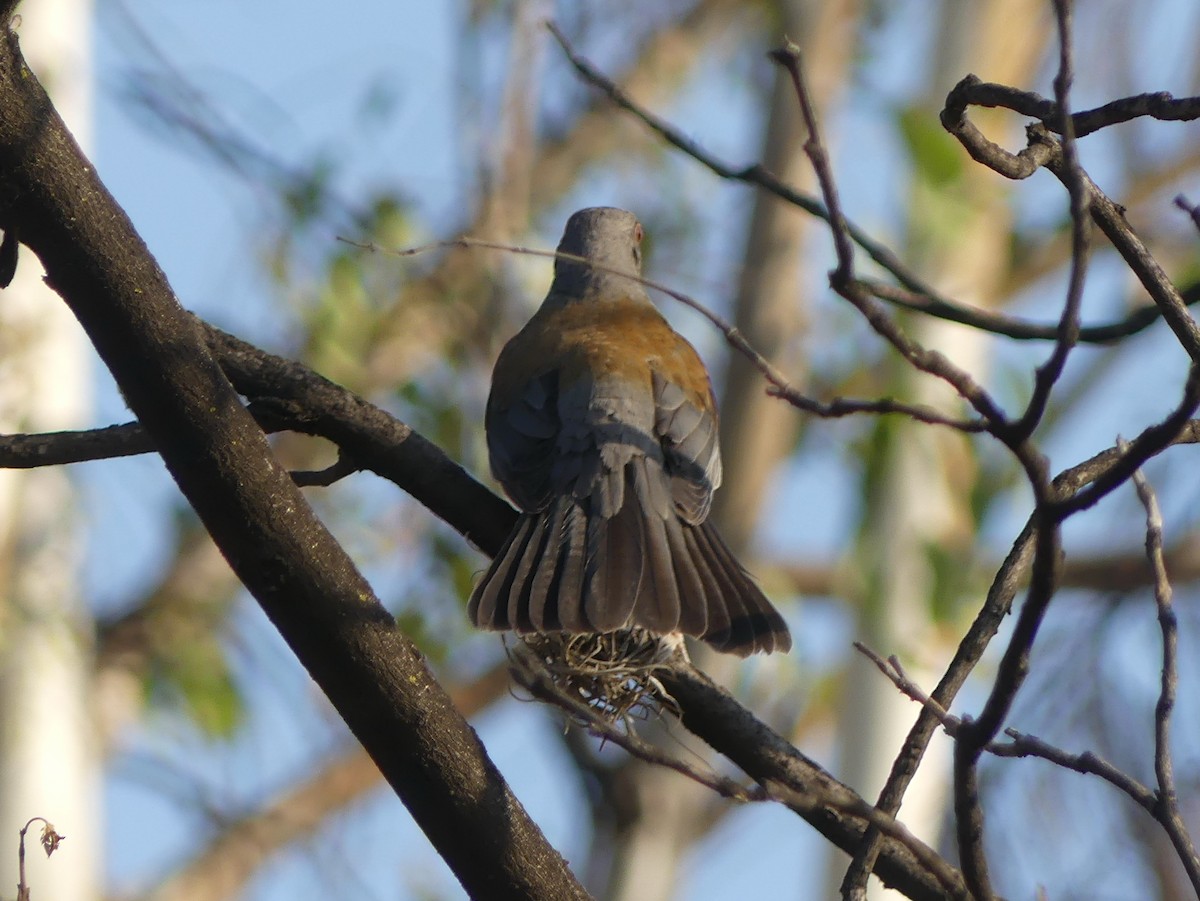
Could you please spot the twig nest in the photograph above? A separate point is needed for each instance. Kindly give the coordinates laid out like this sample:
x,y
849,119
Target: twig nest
x,y
613,673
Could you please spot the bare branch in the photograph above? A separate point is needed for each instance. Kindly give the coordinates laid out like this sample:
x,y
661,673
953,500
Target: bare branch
x,y
949,879
530,674
340,469
1049,372
1167,810
1041,151
1018,329
1011,575
842,278
60,448
1022,744
1086,763
1161,105
1177,427
832,808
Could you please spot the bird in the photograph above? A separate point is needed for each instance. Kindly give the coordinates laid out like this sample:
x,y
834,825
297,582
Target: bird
x,y
601,426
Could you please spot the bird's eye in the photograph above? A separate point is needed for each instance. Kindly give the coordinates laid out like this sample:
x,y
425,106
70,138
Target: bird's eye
x,y
637,233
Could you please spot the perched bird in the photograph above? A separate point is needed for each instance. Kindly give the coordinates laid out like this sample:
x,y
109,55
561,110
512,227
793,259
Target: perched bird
x,y
602,427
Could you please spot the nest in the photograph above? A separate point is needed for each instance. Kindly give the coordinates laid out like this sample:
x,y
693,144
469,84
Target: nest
x,y
609,675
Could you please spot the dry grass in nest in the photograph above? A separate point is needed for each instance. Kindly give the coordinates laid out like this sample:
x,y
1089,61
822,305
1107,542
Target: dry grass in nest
x,y
613,674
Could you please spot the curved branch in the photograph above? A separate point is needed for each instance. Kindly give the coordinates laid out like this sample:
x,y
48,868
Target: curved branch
x,y
1043,150
1161,105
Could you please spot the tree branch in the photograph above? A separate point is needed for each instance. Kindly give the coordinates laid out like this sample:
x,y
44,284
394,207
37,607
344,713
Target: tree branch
x,y
52,199
1043,150
1167,809
829,806
288,395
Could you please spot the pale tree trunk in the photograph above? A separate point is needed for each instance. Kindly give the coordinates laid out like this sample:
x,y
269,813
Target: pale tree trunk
x,y
48,750
757,432
924,497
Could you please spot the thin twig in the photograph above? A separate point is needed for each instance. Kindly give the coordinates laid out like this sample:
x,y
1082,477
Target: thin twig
x,y
1021,744
842,278
779,385
1167,810
533,677
1135,453
1013,327
1087,763
913,292
790,58
1049,372
1192,210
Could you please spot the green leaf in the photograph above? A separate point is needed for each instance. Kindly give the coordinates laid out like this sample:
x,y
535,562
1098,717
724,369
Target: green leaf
x,y
195,675
936,157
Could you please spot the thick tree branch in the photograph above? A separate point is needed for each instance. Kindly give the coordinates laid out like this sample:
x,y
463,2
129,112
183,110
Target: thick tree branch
x,y
52,200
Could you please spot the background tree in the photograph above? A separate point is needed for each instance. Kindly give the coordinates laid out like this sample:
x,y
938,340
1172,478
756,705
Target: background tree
x,y
50,758
930,512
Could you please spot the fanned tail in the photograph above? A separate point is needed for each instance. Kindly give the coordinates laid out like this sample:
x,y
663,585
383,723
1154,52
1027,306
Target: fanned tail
x,y
569,569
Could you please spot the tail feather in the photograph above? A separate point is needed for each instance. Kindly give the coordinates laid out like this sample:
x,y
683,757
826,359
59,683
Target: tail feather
x,y
615,569
543,602
755,625
519,596
569,569
725,588
658,603
569,583
696,598
716,611
488,606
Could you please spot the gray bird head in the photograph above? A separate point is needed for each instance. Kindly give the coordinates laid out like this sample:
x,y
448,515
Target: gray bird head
x,y
610,238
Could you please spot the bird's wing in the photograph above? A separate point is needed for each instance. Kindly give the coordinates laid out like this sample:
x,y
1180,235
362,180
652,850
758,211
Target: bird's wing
x,y
686,423
522,436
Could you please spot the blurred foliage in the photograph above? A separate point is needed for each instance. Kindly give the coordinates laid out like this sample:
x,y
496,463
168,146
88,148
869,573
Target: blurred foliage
x,y
195,678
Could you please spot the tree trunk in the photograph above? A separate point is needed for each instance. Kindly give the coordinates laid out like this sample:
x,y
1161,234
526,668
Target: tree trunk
x,y
49,756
